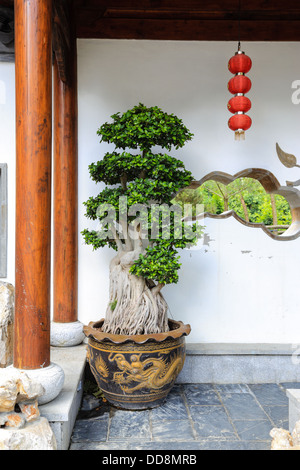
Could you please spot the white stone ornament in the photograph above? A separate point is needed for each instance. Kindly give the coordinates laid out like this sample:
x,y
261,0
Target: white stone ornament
x,y
284,440
21,426
34,436
51,378
6,323
66,334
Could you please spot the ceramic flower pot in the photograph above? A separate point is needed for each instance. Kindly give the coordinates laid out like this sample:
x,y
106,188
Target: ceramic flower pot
x,y
136,372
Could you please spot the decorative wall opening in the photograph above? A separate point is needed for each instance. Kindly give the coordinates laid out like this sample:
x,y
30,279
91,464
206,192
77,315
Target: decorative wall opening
x,y
254,197
3,220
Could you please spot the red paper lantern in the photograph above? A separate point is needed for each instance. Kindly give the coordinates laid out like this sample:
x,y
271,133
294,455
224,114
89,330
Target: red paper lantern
x,y
239,103
239,63
239,123
239,84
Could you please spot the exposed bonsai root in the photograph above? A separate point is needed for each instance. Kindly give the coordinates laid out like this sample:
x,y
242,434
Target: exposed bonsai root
x,y
133,307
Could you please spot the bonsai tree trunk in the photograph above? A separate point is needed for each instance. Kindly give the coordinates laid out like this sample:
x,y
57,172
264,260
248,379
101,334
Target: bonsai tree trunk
x,y
136,305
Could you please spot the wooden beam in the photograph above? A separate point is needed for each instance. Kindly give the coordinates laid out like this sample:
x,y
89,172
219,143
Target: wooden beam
x,y
211,5
65,192
188,30
261,20
33,55
255,15
188,5
269,5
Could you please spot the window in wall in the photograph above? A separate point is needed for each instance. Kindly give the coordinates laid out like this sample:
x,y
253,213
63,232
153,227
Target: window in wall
x,y
253,196
248,199
3,220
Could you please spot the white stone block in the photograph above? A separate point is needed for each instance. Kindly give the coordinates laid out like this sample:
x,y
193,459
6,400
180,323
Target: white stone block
x,y
15,387
36,435
6,323
294,407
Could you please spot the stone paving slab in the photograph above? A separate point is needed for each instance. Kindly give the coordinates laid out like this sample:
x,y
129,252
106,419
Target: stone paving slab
x,y
194,417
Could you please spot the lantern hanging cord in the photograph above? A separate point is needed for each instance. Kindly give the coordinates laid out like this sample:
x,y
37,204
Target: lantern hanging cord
x,y
239,26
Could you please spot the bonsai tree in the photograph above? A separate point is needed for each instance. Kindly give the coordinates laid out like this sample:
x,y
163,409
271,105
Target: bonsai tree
x,y
136,216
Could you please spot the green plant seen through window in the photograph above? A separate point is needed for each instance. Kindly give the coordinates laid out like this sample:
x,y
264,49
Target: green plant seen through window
x,y
246,196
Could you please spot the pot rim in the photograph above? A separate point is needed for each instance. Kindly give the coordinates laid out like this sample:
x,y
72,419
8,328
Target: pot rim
x,y
179,329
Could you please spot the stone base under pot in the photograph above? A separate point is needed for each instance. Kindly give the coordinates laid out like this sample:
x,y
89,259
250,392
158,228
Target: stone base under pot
x,y
136,372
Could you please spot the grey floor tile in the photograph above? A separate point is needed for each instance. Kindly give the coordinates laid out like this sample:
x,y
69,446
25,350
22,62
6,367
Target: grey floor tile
x,y
269,394
90,430
176,390
193,417
222,445
179,445
228,389
166,445
165,430
252,430
130,424
279,415
201,394
212,422
287,385
173,408
94,445
257,445
243,406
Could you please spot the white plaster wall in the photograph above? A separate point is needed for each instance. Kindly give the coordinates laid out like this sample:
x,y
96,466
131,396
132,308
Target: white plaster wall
x,y
7,154
242,286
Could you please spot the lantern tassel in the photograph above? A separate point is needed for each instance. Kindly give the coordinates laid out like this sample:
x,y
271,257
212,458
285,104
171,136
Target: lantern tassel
x,y
239,134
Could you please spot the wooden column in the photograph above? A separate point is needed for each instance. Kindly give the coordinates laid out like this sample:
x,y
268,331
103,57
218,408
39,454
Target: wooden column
x,y
33,55
65,277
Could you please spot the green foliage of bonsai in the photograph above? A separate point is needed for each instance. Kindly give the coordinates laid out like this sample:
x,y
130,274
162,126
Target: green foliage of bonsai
x,y
137,217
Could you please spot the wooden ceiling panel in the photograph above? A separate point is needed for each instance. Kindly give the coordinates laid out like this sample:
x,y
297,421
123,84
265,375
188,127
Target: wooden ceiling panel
x,y
269,5
190,5
211,20
186,5
260,20
194,30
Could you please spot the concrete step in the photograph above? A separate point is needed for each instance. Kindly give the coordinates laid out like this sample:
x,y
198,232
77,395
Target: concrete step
x,y
222,363
61,412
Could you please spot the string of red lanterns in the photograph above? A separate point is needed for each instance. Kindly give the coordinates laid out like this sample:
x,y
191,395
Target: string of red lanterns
x,y
239,85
